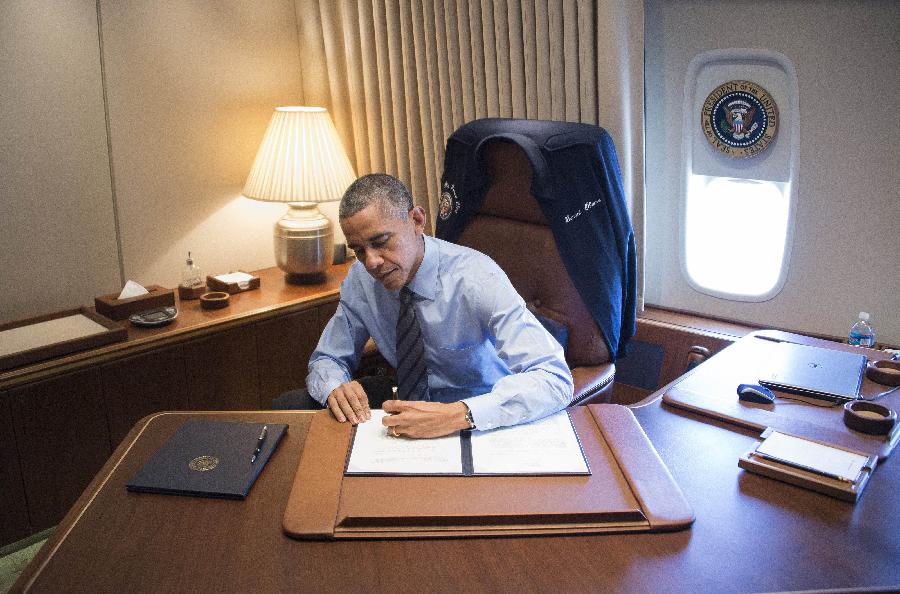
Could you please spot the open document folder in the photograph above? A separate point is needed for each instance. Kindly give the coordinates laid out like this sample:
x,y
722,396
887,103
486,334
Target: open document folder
x,y
546,446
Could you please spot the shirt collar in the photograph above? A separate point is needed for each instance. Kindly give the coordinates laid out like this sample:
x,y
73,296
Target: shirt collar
x,y
425,282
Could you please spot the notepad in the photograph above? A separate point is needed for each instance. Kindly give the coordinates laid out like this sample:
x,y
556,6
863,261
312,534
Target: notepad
x,y
812,456
828,469
543,447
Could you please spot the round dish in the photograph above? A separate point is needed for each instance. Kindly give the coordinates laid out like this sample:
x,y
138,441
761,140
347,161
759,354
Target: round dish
x,y
869,417
884,372
154,317
214,300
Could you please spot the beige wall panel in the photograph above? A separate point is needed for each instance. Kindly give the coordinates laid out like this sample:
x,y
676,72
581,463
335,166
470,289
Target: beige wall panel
x,y
620,103
845,235
191,88
57,228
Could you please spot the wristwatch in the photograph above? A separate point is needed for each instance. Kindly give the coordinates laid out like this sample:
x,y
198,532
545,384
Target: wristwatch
x,y
469,418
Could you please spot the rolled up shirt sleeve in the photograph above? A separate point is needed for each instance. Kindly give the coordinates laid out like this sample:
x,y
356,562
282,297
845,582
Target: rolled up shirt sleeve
x,y
337,354
540,382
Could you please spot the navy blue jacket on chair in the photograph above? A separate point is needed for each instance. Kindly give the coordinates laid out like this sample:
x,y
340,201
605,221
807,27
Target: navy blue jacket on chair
x,y
578,186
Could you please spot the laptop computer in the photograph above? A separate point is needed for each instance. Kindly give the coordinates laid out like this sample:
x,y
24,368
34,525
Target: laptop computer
x,y
815,372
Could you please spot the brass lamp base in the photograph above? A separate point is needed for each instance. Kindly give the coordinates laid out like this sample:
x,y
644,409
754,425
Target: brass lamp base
x,y
304,243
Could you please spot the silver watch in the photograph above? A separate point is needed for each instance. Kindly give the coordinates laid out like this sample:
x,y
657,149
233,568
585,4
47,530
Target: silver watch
x,y
469,418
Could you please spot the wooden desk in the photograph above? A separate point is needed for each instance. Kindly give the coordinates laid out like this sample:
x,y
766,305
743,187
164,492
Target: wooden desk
x,y
70,412
751,533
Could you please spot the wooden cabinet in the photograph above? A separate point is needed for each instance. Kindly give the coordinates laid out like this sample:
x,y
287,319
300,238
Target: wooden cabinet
x,y
60,419
62,438
283,348
137,386
222,371
325,313
14,523
664,347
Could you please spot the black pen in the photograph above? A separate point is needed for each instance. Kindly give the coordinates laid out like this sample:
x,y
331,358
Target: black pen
x,y
259,443
770,338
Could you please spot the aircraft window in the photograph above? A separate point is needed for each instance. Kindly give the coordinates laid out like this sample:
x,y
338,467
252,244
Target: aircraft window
x,y
735,235
738,193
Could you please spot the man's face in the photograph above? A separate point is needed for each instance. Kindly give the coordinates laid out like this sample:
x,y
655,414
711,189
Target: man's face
x,y
391,248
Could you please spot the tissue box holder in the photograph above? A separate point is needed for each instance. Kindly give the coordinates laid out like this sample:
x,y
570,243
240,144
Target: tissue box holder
x,y
215,284
119,309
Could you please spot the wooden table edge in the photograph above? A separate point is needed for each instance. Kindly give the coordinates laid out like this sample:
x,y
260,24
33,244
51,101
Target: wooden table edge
x,y
81,505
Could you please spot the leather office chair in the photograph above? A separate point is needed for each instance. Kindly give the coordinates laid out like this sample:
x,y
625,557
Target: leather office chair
x,y
511,229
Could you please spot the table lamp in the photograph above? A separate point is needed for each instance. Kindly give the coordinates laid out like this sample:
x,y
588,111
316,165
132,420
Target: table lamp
x,y
301,162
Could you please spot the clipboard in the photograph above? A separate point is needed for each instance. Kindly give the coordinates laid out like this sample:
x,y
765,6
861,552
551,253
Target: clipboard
x,y
629,490
811,471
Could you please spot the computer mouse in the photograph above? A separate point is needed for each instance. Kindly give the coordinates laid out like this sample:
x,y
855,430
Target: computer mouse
x,y
755,393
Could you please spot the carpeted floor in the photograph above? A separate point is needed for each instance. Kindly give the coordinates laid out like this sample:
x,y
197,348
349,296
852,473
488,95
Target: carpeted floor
x,y
12,563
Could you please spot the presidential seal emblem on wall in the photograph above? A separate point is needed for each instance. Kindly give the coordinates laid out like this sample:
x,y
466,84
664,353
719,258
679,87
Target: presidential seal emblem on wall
x,y
203,463
739,118
449,203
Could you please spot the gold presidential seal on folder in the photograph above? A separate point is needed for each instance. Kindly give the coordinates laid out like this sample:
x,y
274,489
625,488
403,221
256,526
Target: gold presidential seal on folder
x,y
203,463
739,118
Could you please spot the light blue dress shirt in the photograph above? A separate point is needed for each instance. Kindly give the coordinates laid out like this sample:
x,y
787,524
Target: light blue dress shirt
x,y
482,345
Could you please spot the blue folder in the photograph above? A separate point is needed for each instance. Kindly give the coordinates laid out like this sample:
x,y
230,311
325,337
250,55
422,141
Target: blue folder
x,y
206,458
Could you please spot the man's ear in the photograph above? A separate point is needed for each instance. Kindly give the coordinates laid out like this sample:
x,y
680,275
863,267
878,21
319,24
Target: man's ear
x,y
418,217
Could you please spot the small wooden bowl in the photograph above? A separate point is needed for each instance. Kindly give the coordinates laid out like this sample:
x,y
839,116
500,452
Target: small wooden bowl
x,y
884,372
214,300
869,417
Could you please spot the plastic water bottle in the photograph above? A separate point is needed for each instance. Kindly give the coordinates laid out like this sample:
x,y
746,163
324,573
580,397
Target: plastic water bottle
x,y
862,333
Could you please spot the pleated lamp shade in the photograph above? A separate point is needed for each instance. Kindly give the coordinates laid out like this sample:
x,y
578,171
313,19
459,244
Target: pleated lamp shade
x,y
300,159
301,162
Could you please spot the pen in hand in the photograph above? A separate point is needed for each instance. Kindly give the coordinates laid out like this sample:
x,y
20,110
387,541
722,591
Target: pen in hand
x,y
259,443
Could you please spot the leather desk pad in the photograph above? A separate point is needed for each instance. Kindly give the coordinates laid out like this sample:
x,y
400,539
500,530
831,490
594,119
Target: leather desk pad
x,y
629,490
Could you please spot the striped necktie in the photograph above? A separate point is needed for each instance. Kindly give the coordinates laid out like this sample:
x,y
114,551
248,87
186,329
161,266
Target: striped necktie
x,y
412,374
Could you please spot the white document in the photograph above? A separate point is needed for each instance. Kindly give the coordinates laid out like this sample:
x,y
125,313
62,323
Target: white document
x,y
241,278
375,451
547,446
812,456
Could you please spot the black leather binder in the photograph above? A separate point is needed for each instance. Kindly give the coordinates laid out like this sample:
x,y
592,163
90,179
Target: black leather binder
x,y
208,459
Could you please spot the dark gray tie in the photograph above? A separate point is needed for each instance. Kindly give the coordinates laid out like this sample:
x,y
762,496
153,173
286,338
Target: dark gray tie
x,y
412,374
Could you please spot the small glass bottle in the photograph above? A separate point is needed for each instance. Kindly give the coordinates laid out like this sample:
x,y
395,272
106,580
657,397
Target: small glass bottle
x,y
862,333
192,285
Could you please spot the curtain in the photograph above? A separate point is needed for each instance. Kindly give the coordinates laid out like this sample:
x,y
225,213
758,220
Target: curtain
x,y
399,76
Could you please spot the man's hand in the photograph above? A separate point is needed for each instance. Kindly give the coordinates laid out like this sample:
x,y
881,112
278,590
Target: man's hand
x,y
349,401
414,418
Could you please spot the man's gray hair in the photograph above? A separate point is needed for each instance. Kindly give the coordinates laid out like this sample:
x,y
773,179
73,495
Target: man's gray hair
x,y
387,191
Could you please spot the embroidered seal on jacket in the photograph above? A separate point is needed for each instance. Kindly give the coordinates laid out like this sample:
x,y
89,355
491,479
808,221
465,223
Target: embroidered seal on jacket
x,y
449,203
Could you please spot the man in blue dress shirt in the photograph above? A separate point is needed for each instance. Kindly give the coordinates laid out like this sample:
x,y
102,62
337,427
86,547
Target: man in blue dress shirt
x,y
490,363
